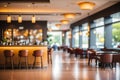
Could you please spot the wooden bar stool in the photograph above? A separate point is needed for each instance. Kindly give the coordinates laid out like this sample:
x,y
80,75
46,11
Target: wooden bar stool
x,y
50,51
9,58
23,54
38,53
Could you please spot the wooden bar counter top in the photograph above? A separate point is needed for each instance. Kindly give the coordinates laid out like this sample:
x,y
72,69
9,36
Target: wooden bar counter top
x,y
30,56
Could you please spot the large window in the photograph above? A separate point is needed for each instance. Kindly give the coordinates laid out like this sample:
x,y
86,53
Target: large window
x,y
115,17
68,37
55,37
100,37
116,29
76,37
99,32
116,34
85,35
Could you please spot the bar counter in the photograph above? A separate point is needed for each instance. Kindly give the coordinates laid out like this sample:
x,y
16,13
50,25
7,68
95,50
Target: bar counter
x,y
30,56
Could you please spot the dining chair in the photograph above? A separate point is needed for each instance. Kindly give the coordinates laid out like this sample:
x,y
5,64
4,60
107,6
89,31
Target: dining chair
x,y
79,51
106,60
92,56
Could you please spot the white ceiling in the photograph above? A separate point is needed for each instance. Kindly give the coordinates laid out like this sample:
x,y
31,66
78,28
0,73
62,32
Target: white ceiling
x,y
52,11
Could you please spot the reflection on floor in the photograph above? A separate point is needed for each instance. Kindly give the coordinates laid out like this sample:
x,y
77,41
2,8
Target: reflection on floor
x,y
63,68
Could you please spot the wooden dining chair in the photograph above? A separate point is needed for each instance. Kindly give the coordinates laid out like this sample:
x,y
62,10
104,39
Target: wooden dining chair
x,y
79,51
116,59
106,59
70,51
92,56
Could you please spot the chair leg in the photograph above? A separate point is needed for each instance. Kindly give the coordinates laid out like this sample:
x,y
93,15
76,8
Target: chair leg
x,y
34,62
41,63
5,63
51,58
26,62
20,63
12,62
48,58
96,62
88,61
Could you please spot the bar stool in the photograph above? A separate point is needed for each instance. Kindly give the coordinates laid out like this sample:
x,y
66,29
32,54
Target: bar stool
x,y
9,58
23,54
38,53
50,51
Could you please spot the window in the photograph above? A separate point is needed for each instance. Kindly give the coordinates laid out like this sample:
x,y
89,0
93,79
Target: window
x,y
55,37
84,31
68,37
99,32
116,34
115,29
115,17
99,22
76,37
99,37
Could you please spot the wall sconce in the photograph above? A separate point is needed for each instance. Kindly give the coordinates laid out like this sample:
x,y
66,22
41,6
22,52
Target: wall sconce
x,y
8,19
69,15
33,19
64,21
86,5
19,19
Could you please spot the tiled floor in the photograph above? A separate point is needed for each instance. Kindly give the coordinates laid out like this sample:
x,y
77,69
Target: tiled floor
x,y
63,68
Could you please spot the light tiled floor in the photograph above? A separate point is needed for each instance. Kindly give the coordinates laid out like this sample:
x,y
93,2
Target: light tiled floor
x,y
63,68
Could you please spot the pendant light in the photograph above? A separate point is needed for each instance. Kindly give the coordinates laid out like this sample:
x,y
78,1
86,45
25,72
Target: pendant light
x,y
33,19
19,19
8,19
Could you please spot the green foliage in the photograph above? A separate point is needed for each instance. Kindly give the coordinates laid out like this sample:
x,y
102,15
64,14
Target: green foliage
x,y
49,39
4,40
116,32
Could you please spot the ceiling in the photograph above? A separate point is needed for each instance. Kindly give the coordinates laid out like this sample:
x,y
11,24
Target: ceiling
x,y
50,11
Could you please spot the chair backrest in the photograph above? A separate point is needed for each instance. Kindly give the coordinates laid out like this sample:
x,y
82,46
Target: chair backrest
x,y
79,51
69,50
91,52
37,53
116,58
23,53
8,53
106,58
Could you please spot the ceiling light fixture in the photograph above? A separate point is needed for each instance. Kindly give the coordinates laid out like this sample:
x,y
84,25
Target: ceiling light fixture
x,y
19,19
86,5
58,25
64,21
8,19
69,15
33,19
